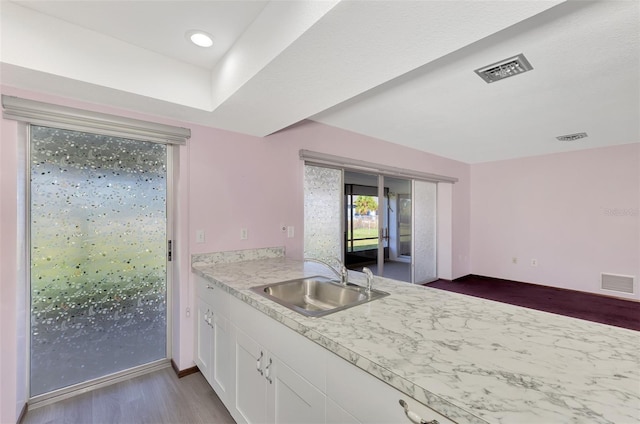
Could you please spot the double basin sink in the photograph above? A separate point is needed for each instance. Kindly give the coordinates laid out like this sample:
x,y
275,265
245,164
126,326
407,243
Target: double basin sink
x,y
317,296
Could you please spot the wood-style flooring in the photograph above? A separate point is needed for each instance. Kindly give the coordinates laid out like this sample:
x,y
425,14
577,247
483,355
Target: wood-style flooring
x,y
155,398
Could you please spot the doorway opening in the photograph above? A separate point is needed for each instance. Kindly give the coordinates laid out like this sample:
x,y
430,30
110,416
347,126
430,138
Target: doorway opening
x,y
413,221
378,224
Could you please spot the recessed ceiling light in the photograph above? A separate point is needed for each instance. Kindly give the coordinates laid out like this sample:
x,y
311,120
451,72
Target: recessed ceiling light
x,y
200,38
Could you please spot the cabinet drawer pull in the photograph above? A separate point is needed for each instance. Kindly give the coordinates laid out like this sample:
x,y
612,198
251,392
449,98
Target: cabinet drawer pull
x,y
210,287
415,418
267,371
259,363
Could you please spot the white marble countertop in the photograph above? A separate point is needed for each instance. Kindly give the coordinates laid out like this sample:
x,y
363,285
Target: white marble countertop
x,y
473,360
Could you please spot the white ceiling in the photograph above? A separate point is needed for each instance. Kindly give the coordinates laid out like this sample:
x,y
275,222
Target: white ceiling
x,y
401,71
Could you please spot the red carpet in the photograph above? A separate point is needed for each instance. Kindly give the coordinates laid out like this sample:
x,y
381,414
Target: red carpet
x,y
587,306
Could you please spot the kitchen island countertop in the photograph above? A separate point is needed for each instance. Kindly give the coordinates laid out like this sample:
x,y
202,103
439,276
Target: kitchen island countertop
x,y
470,359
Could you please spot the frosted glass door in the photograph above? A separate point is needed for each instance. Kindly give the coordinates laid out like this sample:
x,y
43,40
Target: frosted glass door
x,y
98,256
424,232
322,212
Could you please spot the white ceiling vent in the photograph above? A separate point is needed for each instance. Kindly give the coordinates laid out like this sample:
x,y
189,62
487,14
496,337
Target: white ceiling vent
x,y
618,283
504,69
572,137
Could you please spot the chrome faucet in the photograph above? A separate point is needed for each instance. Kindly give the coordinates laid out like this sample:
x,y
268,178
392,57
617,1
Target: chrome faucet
x,y
343,274
369,275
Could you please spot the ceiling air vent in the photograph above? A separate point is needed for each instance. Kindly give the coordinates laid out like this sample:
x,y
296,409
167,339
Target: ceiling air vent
x,y
572,137
504,69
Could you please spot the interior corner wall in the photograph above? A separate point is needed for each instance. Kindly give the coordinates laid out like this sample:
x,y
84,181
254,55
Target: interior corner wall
x,y
575,213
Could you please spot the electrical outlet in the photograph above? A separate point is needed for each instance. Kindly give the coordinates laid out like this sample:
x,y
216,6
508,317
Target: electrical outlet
x,y
199,236
514,260
243,234
534,262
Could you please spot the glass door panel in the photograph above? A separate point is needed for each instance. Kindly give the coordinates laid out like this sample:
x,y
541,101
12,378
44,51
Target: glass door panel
x,y
396,256
404,225
361,219
424,232
98,229
322,212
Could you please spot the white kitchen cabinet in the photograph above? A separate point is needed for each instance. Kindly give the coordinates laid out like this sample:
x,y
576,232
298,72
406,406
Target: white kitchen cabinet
x,y
213,341
291,399
204,336
265,372
358,397
250,401
268,390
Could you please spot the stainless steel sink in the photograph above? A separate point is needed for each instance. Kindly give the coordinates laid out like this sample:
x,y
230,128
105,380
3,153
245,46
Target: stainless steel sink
x,y
317,296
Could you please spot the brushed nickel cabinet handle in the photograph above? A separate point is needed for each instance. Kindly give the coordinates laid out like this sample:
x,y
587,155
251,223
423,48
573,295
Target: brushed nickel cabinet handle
x,y
259,363
415,418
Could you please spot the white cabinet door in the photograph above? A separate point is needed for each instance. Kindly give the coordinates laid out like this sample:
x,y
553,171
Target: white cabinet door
x,y
268,389
250,403
337,415
213,344
221,372
290,398
203,338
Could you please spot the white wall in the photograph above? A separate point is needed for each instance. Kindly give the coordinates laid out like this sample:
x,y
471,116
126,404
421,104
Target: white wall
x,y
576,213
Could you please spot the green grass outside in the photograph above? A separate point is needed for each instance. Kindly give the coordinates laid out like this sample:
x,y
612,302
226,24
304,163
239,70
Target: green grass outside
x,y
361,233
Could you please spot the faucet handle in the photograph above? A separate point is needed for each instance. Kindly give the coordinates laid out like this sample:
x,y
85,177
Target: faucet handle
x,y
344,275
369,275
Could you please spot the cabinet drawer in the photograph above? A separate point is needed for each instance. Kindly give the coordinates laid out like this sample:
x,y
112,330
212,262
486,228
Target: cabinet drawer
x,y
368,399
213,295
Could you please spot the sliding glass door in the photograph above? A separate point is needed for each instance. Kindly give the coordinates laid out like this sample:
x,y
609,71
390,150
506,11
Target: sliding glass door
x,y
98,248
388,223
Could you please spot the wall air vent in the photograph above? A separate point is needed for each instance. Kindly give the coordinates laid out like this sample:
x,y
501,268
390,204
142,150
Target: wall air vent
x,y
618,283
504,69
572,137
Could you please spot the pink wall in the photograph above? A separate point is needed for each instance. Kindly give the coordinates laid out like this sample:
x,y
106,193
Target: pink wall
x,y
561,210
10,394
226,181
256,183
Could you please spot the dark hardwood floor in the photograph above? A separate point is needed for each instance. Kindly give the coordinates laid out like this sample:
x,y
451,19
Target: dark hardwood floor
x,y
155,398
